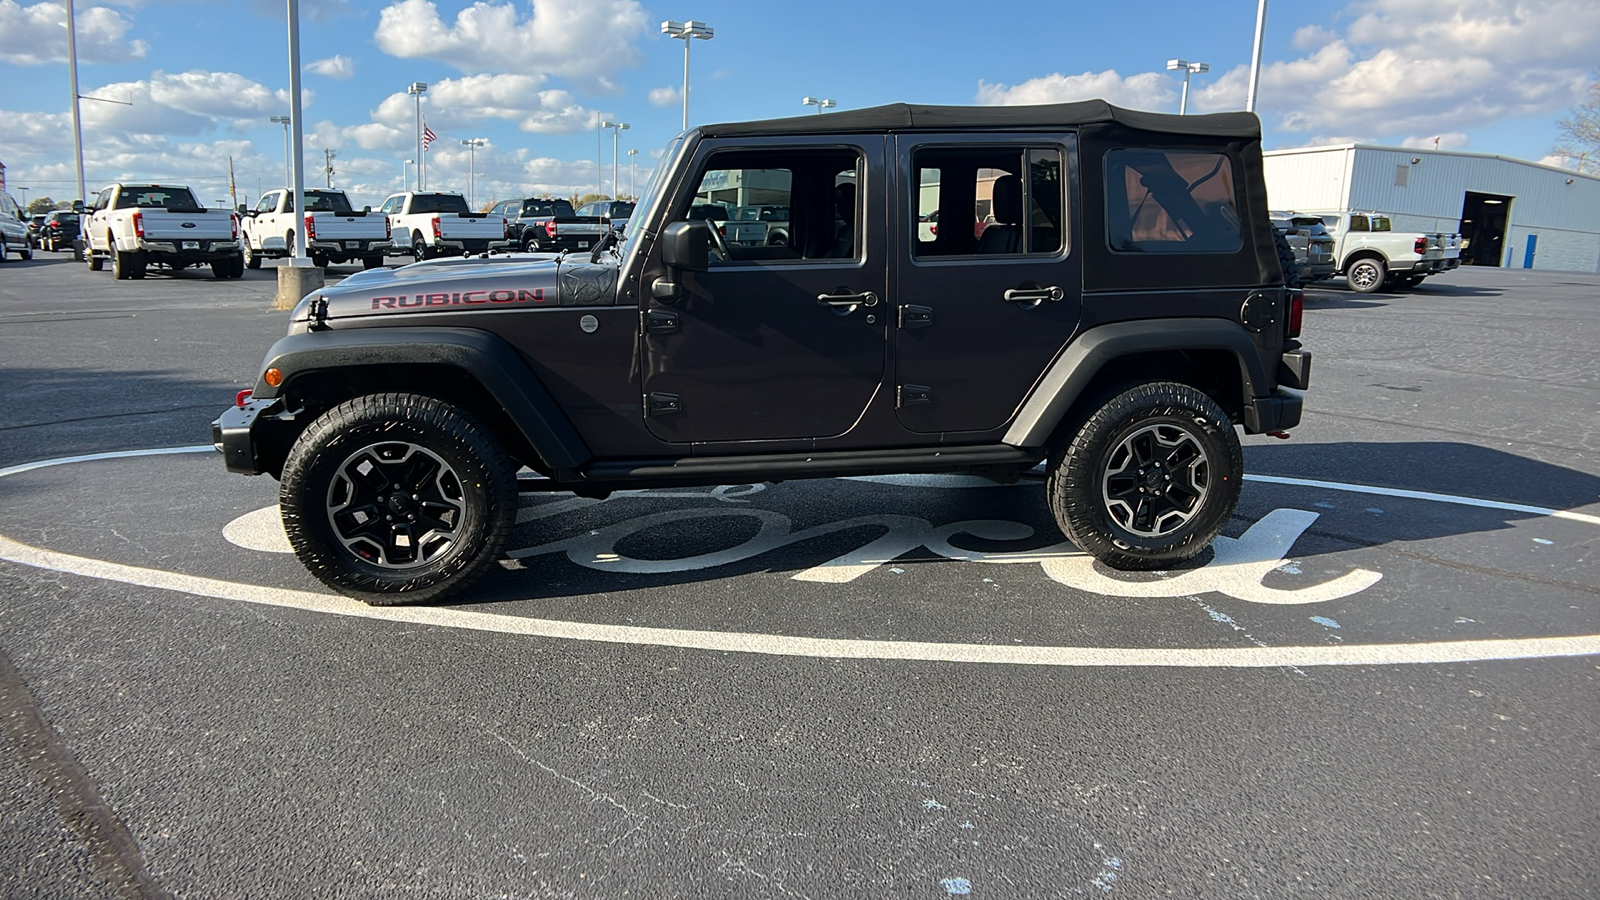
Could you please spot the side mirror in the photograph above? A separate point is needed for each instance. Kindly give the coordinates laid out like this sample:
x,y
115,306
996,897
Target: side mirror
x,y
367,208
241,210
77,206
687,245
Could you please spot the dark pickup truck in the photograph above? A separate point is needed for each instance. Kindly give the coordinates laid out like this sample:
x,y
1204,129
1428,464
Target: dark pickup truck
x,y
1120,318
545,225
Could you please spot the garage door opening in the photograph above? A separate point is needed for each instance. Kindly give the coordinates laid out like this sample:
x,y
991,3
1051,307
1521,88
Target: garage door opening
x,y
1483,228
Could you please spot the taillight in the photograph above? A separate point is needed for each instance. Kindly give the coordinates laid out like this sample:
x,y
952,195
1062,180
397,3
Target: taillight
x,y
235,227
437,235
311,229
1420,247
138,224
550,228
505,228
1297,312
388,229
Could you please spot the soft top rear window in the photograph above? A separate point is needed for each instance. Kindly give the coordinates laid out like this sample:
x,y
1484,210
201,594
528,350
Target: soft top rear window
x,y
1171,201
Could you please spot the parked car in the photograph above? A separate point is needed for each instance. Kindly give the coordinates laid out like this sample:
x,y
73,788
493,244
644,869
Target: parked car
x,y
1372,256
402,403
139,225
35,222
1312,245
616,212
60,229
755,226
427,224
13,229
547,225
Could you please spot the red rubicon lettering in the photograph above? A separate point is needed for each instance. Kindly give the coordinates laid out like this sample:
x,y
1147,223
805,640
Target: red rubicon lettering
x,y
534,296
417,300
436,299
384,302
467,297
502,296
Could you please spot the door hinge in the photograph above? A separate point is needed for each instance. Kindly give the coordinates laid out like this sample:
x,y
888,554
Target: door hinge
x,y
659,404
913,316
660,321
913,394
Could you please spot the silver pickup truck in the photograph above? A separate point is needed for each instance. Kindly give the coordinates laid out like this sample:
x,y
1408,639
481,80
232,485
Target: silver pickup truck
x,y
335,232
1372,256
139,225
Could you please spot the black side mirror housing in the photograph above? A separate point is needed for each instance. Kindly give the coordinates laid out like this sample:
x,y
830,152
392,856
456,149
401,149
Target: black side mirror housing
x,y
77,206
367,208
687,245
242,210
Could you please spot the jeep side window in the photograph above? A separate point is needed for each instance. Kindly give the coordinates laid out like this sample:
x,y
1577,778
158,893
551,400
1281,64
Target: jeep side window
x,y
1171,201
810,199
1011,214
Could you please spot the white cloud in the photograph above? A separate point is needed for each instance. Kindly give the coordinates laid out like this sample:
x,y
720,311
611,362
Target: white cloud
x,y
587,42
1449,140
1145,90
1401,68
35,35
338,67
665,96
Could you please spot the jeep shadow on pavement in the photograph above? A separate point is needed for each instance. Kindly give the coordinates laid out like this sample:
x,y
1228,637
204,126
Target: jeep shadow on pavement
x,y
1116,309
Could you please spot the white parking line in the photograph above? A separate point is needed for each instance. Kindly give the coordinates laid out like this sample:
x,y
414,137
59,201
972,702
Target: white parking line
x,y
790,645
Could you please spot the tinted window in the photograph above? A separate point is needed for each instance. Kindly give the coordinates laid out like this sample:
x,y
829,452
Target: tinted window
x,y
621,210
1171,201
817,188
438,203
1017,198
177,199
326,201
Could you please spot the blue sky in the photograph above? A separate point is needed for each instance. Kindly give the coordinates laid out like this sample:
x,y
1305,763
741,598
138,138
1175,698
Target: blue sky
x,y
534,78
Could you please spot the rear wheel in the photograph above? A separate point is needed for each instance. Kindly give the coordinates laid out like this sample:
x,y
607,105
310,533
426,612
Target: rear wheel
x,y
95,261
372,262
126,264
320,260
531,245
1366,275
1150,477
419,248
252,260
3,249
397,498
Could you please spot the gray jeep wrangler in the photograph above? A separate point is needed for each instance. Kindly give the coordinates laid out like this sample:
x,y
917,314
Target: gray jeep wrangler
x,y
1114,308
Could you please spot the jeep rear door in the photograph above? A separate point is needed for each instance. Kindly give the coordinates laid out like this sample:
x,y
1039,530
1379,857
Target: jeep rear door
x,y
985,297
783,341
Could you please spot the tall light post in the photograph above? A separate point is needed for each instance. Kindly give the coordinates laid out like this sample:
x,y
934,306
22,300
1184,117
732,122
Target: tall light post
x,y
298,150
405,173
616,129
77,124
819,103
690,31
1255,57
1189,68
633,174
472,145
284,121
417,89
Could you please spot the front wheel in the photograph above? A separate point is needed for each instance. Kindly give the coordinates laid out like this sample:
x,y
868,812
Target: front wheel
x,y
252,259
397,498
1366,275
1150,477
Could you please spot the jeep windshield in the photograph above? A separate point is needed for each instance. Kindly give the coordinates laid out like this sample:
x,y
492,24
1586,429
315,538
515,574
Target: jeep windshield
x,y
654,188
439,203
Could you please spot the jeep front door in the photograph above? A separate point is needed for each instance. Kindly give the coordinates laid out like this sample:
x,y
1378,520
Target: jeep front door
x,y
784,338
988,288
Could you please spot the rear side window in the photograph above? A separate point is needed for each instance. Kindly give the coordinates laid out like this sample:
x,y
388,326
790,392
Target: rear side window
x,y
1016,195
1171,201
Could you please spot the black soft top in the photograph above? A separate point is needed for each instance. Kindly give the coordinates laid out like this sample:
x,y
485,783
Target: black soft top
x,y
908,116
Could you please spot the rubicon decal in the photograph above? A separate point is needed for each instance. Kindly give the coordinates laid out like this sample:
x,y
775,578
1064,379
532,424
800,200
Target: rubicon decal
x,y
459,298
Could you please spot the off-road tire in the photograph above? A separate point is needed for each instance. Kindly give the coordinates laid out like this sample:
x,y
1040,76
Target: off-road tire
x,y
1097,461
1367,275
1286,260
252,259
385,430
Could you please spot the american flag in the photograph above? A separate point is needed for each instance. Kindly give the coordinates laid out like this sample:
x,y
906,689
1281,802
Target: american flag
x,y
428,136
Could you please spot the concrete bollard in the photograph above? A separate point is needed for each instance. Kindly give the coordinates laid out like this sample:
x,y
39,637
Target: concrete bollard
x,y
296,278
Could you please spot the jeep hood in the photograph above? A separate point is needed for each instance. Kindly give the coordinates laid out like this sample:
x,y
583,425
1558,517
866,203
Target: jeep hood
x,y
455,285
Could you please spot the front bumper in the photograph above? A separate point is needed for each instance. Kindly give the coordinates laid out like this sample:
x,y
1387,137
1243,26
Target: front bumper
x,y
234,435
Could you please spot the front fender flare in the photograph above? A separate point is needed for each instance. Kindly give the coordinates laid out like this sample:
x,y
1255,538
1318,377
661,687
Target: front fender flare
x,y
1073,370
488,359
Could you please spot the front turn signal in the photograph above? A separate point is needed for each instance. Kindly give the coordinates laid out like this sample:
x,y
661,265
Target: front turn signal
x,y
273,377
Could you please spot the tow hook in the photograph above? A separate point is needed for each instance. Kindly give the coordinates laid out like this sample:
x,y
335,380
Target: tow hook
x,y
1280,435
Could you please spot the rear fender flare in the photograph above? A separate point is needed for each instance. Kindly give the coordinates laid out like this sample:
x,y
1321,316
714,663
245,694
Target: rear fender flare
x,y
1078,364
486,358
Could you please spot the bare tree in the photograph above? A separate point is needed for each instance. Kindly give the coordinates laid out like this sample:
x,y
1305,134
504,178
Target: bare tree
x,y
1580,132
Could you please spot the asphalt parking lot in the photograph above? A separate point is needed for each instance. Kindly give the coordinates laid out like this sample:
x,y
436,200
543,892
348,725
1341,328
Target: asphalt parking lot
x,y
1381,684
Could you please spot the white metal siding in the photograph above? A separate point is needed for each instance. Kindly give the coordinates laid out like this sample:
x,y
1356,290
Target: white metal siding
x,y
1308,180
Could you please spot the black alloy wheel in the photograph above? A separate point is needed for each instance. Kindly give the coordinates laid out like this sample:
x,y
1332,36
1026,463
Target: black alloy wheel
x,y
1149,478
397,498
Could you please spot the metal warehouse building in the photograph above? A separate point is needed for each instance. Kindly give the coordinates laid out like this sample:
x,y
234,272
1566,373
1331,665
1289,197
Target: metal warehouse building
x,y
1510,212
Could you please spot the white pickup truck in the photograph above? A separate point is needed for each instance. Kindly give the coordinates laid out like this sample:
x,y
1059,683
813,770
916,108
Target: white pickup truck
x,y
138,225
335,232
1372,257
427,224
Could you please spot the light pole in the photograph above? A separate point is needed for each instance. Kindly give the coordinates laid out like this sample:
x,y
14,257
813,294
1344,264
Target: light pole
x,y
633,174
1189,68
417,89
297,156
405,173
77,124
691,31
819,103
1255,57
616,129
24,197
472,145
284,121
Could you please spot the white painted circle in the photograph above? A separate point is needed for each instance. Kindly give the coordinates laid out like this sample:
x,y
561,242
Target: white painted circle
x,y
260,530
789,645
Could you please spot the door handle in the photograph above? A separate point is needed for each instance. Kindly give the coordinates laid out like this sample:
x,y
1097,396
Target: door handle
x,y
846,303
1035,296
